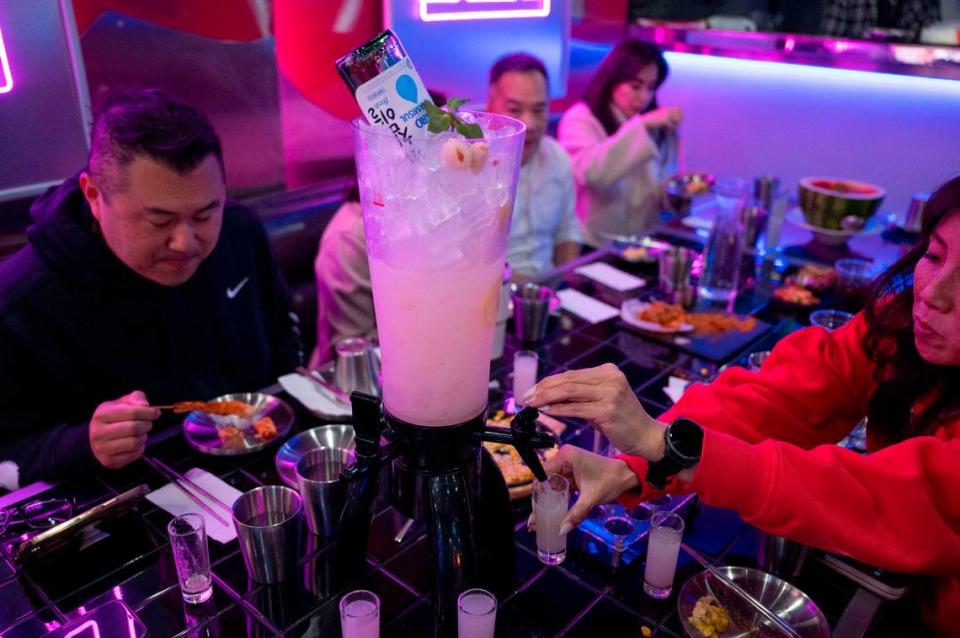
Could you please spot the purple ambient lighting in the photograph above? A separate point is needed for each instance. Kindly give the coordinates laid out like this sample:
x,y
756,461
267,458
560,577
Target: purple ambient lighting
x,y
852,78
6,78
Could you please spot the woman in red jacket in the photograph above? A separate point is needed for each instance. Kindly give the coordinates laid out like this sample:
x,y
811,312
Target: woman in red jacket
x,y
763,443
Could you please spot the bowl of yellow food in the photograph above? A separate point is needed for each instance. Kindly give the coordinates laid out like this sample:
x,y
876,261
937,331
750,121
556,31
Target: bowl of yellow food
x,y
710,609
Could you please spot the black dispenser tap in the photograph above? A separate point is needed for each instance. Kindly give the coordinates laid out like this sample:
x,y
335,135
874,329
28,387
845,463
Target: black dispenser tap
x,y
524,437
363,485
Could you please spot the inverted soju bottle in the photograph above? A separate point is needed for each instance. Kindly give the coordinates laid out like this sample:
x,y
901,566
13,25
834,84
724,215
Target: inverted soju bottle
x,y
387,87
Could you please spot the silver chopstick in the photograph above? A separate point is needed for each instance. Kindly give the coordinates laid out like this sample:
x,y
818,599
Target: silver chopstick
x,y
182,481
778,622
317,378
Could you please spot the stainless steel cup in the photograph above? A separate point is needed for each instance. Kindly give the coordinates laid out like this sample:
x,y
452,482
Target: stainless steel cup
x,y
268,528
754,219
913,221
531,310
322,491
675,265
781,557
356,367
765,190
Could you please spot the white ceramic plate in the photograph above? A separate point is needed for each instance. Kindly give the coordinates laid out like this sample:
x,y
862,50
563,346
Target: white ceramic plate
x,y
633,307
873,225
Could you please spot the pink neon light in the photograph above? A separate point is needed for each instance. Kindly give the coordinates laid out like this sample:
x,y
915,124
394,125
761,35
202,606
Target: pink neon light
x,y
90,624
448,10
6,79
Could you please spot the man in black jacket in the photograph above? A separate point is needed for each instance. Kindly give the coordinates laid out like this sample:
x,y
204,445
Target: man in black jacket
x,y
140,285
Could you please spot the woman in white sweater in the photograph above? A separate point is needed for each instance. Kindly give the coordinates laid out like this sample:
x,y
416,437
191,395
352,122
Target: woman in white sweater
x,y
622,144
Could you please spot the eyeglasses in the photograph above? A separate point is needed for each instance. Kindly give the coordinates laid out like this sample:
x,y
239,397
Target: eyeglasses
x,y
39,514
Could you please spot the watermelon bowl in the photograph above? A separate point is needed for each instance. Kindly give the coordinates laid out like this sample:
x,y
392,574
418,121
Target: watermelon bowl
x,y
838,204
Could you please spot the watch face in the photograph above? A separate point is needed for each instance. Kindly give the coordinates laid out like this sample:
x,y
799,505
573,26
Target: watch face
x,y
686,439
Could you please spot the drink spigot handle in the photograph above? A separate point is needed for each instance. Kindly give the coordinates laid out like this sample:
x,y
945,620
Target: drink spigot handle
x,y
526,439
367,423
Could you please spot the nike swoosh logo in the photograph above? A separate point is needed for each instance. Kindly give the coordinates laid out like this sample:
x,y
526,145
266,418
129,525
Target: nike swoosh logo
x,y
233,292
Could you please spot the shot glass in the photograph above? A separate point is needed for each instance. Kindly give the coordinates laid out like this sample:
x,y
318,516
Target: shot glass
x,y
360,614
525,363
829,319
188,540
551,500
476,614
663,547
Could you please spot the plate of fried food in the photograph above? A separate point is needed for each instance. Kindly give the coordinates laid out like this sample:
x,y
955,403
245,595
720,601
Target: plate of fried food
x,y
518,476
658,317
235,423
814,278
794,295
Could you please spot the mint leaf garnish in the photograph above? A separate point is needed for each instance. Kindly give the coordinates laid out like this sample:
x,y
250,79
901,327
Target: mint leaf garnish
x,y
440,123
469,131
441,120
454,104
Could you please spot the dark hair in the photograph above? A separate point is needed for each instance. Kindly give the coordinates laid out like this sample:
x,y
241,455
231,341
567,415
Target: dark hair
x,y
151,123
622,64
517,63
902,375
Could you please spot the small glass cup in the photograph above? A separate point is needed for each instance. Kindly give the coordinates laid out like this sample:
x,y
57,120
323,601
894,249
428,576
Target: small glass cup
x,y
188,540
755,360
476,614
663,547
723,251
853,283
360,614
551,500
525,363
829,319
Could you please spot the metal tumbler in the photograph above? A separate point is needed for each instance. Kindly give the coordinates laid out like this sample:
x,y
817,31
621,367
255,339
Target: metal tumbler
x,y
356,367
268,528
531,310
322,491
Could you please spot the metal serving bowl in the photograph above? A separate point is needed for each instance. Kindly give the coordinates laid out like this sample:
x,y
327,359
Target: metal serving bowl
x,y
202,429
684,188
339,437
779,596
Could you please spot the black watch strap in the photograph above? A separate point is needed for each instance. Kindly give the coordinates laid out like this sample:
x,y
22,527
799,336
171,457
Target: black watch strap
x,y
659,473
683,444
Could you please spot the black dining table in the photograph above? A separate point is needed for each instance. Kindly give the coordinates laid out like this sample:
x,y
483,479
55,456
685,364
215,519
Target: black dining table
x,y
583,597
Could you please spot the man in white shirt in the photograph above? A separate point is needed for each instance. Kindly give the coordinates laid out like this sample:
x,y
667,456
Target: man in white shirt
x,y
544,232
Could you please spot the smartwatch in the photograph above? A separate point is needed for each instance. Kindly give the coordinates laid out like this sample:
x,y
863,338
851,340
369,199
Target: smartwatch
x,y
683,444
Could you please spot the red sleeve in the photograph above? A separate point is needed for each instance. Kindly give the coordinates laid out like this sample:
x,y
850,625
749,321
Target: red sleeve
x,y
813,388
896,508
768,453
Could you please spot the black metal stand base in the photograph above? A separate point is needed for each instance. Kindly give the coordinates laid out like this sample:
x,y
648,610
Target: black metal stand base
x,y
443,478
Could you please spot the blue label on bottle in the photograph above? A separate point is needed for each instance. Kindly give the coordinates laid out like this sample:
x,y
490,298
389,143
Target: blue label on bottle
x,y
395,99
